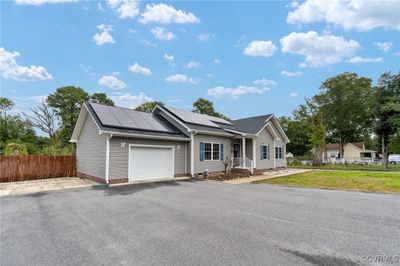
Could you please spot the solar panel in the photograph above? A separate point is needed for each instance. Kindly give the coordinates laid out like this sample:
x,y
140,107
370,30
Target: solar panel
x,y
196,118
126,118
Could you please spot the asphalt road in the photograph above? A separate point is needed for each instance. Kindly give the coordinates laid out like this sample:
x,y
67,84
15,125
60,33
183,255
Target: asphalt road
x,y
199,223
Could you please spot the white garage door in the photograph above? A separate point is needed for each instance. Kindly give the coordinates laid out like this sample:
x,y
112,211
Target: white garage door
x,y
150,162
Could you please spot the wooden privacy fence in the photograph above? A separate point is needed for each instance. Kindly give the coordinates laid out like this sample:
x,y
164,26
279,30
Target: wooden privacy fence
x,y
30,167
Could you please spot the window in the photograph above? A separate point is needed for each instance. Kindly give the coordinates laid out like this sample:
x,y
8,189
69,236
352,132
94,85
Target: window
x,y
207,151
215,151
278,152
264,152
211,151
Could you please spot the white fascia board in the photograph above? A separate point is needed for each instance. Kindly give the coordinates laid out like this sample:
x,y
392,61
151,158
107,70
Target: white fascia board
x,y
118,134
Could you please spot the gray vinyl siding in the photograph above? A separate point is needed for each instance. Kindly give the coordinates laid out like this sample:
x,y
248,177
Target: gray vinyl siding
x,y
91,150
249,149
212,166
281,162
119,155
264,138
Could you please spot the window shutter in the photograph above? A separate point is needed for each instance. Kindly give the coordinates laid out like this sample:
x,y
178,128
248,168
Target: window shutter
x,y
261,152
283,152
221,152
268,153
201,151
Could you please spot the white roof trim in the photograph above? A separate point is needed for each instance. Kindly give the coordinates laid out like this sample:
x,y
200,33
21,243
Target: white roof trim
x,y
80,121
278,126
116,134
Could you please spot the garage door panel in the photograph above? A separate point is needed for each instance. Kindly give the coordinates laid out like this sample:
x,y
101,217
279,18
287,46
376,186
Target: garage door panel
x,y
151,163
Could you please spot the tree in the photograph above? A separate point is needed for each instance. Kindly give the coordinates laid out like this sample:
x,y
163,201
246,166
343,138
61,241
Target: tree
x,y
44,118
101,97
387,112
346,102
5,105
67,102
204,106
318,134
148,107
15,149
298,130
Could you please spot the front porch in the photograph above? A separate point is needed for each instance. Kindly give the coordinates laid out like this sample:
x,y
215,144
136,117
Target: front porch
x,y
243,152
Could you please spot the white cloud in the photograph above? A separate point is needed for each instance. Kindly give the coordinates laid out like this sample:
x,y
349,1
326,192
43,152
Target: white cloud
x,y
220,91
260,48
162,34
364,60
165,14
148,43
125,8
104,36
193,64
180,78
397,53
41,2
10,69
265,82
38,99
204,37
217,61
349,14
136,68
130,101
318,49
383,46
291,74
111,81
168,57
293,94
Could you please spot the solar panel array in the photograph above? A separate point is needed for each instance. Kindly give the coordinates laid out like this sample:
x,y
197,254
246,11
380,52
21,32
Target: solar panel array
x,y
196,118
126,118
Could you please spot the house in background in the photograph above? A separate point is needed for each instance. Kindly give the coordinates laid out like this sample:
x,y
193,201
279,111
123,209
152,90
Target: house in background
x,y
353,152
117,144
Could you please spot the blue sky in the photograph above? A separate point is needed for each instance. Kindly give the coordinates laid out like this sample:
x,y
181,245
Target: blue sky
x,y
248,58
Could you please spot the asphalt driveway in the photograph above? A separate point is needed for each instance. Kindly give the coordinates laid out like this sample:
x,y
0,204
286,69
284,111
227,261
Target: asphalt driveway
x,y
199,223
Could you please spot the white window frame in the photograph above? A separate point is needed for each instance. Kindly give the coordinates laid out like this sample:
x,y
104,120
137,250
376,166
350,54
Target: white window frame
x,y
212,151
266,152
280,149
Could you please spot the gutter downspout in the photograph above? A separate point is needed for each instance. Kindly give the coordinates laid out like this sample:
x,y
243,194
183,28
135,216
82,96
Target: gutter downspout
x,y
192,133
108,157
274,156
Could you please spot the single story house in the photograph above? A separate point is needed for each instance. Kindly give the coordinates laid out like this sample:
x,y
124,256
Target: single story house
x,y
353,152
115,144
289,157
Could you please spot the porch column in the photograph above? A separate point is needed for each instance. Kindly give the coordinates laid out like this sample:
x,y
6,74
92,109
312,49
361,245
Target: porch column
x,y
254,153
243,148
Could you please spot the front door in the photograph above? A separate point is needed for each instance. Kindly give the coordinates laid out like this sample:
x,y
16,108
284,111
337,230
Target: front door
x,y
236,150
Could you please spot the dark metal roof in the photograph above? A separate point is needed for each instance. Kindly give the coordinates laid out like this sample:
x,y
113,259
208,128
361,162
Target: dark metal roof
x,y
251,124
127,121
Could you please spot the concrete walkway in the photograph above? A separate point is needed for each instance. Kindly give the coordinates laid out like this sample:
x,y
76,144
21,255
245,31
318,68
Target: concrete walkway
x,y
34,186
268,175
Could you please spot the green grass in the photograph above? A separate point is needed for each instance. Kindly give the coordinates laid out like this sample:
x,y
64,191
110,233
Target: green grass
x,y
365,181
393,168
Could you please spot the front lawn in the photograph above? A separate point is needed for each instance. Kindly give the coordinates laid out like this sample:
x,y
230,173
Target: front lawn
x,y
366,181
393,168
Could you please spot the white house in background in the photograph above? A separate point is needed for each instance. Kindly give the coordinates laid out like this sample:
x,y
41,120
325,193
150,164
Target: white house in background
x,y
353,152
